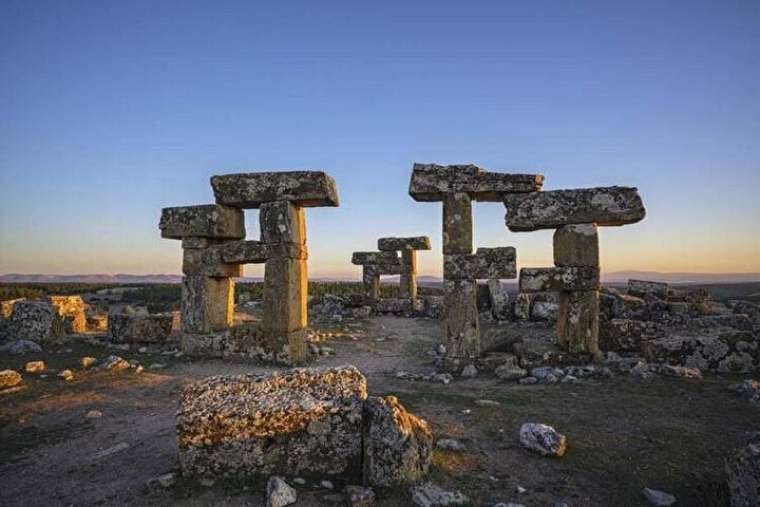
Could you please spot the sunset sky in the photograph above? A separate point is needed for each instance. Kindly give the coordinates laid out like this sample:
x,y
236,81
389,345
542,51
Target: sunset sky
x,y
110,111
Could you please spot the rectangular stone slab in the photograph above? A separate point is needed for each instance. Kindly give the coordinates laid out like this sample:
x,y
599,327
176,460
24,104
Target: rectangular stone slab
x,y
207,304
204,221
208,261
486,263
578,322
576,245
396,244
461,327
251,190
457,224
431,182
365,258
282,222
606,206
256,252
559,279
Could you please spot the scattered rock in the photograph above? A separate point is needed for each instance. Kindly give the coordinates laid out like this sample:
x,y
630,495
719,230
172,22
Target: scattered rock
x,y
87,362
469,371
326,484
659,498
94,414
750,390
487,403
430,495
114,363
743,470
359,496
20,347
508,372
34,366
279,493
543,439
9,378
66,375
450,444
528,381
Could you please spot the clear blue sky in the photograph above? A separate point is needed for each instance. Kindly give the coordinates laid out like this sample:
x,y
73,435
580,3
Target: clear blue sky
x,y
111,110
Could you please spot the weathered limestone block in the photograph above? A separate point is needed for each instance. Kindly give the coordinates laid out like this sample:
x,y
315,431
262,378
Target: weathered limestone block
x,y
578,322
207,303
193,243
626,335
486,263
208,262
743,471
374,258
544,310
607,206
622,306
285,305
9,378
256,252
431,182
499,300
251,190
457,224
37,321
722,350
647,289
139,328
371,282
521,307
461,326
305,422
576,245
396,244
205,221
6,307
556,279
398,446
282,222
71,309
408,279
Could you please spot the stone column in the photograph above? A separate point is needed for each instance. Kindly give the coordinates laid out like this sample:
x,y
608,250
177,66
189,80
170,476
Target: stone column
x,y
371,283
408,279
207,304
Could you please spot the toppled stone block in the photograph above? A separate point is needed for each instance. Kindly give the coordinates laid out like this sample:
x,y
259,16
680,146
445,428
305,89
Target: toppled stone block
x,y
647,289
576,245
280,493
579,278
139,328
282,222
396,244
486,263
304,422
626,335
204,221
71,310
251,190
9,378
543,439
37,321
398,446
430,182
722,351
614,305
605,206
375,258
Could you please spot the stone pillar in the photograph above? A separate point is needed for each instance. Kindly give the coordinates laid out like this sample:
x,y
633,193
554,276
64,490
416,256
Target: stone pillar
x,y
371,283
457,224
207,304
408,279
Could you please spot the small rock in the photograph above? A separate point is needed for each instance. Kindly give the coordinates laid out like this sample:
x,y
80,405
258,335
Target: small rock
x,y
659,498
87,362
165,481
156,366
528,381
358,496
449,444
520,490
487,403
543,439
20,347
326,484
139,369
441,349
469,371
279,493
299,480
430,495
9,378
66,375
142,350
114,363
509,372
94,414
34,366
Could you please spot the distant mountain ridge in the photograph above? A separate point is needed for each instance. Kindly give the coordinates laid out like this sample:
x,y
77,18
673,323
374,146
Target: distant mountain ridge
x,y
613,277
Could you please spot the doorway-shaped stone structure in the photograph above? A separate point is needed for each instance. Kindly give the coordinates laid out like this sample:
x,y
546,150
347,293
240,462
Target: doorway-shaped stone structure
x,y
457,186
214,253
575,215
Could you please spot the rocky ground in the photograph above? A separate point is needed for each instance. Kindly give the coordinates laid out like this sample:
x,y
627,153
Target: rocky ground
x,y
101,437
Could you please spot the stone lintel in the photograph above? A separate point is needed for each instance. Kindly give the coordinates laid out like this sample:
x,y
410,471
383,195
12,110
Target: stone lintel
x,y
367,258
204,221
604,206
396,244
576,278
251,190
431,182
486,263
256,252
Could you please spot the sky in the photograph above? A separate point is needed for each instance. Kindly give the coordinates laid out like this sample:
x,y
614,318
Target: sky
x,y
111,110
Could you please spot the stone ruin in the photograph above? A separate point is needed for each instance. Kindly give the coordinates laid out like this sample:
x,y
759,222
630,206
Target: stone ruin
x,y
214,252
575,216
387,261
43,321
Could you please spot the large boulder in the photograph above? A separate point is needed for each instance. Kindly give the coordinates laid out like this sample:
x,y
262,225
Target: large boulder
x,y
124,328
398,446
725,350
37,321
743,470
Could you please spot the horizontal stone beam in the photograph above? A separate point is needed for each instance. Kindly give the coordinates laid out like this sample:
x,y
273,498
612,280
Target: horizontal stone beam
x,y
256,252
251,190
607,206
431,182
486,263
205,221
365,258
396,244
564,279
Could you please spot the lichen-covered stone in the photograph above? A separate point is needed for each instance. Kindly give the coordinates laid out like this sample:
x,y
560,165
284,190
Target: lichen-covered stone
x,y
720,350
9,378
743,471
204,221
6,307
457,224
374,258
398,446
521,308
648,289
305,422
627,335
256,252
208,262
251,190
461,326
72,310
497,263
544,310
605,206
282,222
559,279
576,245
407,285
543,439
578,322
500,304
285,304
410,243
430,182
37,321
139,328
207,303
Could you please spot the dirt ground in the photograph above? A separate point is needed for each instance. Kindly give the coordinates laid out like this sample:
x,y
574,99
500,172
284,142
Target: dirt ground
x,y
671,434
